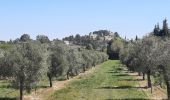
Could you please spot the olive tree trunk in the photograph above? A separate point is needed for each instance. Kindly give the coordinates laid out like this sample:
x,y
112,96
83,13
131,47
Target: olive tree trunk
x,y
143,76
149,78
21,89
139,73
68,75
84,69
168,89
50,79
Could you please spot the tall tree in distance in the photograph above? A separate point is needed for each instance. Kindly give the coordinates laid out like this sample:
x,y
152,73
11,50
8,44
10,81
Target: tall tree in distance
x,y
116,34
43,39
165,27
161,32
78,38
25,38
136,38
156,30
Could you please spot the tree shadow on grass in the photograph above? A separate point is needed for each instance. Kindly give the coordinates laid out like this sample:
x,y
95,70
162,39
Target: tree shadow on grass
x,y
42,86
116,69
119,69
124,75
6,86
6,98
130,80
121,75
122,87
125,71
110,71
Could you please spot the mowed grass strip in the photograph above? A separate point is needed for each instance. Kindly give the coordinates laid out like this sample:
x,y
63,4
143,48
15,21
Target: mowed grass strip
x,y
109,82
7,92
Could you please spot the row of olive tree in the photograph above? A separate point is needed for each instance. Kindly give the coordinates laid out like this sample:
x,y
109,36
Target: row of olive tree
x,y
27,61
69,61
149,56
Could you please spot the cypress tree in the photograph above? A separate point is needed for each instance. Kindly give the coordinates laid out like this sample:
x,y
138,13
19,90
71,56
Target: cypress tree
x,y
165,27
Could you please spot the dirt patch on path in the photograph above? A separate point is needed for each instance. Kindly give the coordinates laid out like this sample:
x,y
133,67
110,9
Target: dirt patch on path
x,y
157,92
43,93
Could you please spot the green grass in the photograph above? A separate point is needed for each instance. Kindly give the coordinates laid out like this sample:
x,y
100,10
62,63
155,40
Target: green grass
x,y
5,46
7,92
109,82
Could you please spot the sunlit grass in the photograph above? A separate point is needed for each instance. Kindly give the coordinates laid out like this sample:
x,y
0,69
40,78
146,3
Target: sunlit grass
x,y
6,91
106,83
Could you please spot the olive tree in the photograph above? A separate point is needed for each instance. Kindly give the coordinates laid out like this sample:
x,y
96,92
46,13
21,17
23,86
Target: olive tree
x,y
162,61
87,59
25,62
58,61
74,62
139,56
95,58
89,47
146,57
6,69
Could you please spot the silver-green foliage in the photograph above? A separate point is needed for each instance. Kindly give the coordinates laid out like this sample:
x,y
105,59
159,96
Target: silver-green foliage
x,y
25,61
72,60
22,64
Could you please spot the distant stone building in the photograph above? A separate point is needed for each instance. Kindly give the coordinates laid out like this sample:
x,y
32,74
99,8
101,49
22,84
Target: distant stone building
x,y
108,37
93,36
67,42
102,35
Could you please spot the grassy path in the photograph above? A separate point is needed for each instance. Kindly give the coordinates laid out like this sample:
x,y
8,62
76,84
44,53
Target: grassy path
x,y
43,93
109,82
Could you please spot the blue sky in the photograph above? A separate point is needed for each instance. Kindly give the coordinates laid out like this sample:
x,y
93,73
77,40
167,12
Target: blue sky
x,y
60,18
